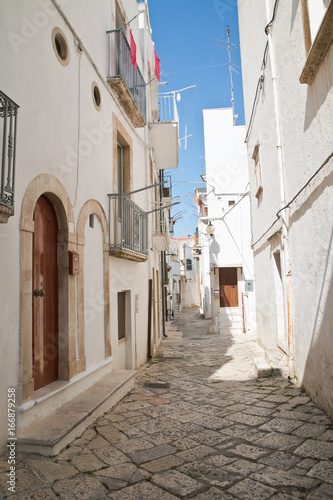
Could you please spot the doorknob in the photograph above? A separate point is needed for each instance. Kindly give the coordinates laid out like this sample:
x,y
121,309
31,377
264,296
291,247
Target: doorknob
x,y
39,293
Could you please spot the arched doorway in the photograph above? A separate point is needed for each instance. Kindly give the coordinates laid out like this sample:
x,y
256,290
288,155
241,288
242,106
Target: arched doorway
x,y
54,193
45,295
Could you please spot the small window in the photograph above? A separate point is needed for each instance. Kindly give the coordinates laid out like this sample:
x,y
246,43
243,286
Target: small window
x,y
317,9
188,265
231,203
121,315
96,95
257,171
318,36
60,46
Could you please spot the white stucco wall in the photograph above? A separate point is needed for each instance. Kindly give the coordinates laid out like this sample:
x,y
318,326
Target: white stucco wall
x,y
182,247
227,181
61,134
94,295
305,118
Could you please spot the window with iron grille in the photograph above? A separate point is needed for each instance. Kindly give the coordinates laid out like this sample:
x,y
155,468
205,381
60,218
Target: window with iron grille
x,y
8,117
121,315
188,265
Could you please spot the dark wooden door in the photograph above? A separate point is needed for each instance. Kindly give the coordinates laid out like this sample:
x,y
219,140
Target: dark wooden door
x,y
228,287
45,295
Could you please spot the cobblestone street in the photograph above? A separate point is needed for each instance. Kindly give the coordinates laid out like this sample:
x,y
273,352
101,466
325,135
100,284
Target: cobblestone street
x,y
197,425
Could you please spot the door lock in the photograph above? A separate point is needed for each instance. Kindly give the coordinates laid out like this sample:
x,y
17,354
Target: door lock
x,y
39,293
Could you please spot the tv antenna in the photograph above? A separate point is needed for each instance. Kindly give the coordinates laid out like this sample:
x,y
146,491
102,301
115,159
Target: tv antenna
x,y
231,69
185,138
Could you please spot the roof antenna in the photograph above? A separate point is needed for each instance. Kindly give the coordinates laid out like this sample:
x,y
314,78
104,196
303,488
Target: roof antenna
x,y
231,69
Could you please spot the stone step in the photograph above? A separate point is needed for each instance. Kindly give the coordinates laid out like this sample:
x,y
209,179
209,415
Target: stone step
x,y
226,322
172,332
229,310
231,329
49,435
278,360
261,367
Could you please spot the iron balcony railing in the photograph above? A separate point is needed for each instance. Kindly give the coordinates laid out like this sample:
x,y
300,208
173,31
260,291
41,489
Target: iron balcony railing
x,y
162,225
167,108
167,187
128,225
120,65
8,115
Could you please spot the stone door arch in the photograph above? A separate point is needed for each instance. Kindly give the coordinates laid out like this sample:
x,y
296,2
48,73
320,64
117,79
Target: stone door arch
x,y
52,189
93,207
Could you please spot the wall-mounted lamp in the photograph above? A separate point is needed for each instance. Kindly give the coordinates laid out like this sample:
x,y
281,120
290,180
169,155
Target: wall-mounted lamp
x,y
173,256
210,229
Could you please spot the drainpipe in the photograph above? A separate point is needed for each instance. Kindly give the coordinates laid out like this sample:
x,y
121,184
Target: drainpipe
x,y
150,299
282,186
163,292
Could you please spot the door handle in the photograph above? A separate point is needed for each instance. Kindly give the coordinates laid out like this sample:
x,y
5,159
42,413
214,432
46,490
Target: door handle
x,y
39,293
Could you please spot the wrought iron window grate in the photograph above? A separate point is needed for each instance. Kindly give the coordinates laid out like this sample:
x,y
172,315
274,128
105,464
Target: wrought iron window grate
x,y
8,125
120,65
128,225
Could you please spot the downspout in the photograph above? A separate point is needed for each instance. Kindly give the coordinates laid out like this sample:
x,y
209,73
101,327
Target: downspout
x,y
163,292
161,178
150,298
285,214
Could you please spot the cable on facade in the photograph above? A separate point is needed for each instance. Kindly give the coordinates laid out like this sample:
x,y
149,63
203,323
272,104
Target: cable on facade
x,y
259,87
294,198
262,77
234,206
306,184
78,125
273,18
240,253
98,72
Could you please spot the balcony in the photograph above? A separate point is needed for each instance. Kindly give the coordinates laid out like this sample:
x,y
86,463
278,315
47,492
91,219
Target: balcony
x,y
167,190
128,229
126,80
161,236
8,113
164,133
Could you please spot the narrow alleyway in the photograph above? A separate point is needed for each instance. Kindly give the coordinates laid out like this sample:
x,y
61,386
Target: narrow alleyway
x,y
197,425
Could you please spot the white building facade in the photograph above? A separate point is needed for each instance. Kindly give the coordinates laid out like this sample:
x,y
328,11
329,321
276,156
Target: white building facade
x,y
183,273
287,61
78,255
227,277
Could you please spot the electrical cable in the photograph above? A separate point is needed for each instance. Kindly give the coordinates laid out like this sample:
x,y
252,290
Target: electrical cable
x,y
306,184
273,18
293,199
234,206
240,253
78,127
263,66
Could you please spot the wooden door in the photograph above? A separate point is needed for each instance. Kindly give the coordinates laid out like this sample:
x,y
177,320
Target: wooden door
x,y
228,287
45,295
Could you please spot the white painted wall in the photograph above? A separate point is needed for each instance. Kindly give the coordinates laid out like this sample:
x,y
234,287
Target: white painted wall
x,y
305,117
94,295
227,181
60,133
189,291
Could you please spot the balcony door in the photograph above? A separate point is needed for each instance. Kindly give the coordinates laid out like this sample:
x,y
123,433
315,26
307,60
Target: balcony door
x,y
45,295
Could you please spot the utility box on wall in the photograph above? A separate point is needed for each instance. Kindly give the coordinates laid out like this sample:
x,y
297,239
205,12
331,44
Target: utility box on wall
x,y
248,285
73,263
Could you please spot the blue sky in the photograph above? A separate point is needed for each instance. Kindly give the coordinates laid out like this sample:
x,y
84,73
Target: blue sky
x,y
182,31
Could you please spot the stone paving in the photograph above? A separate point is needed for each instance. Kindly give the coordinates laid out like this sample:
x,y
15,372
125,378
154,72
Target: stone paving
x,y
197,425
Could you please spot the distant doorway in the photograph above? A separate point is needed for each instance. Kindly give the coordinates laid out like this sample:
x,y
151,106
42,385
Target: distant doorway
x,y
228,287
45,295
